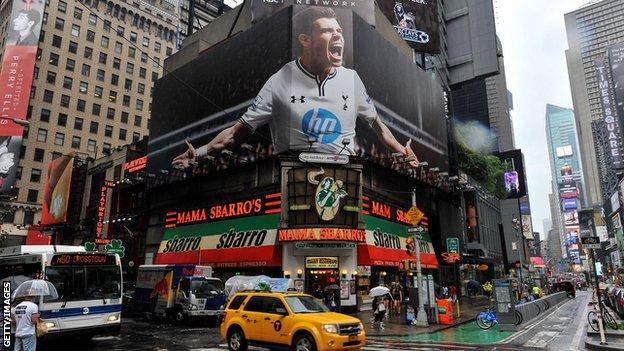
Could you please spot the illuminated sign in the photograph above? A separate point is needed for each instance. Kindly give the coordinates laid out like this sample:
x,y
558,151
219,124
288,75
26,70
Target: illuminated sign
x,y
135,165
268,204
82,259
609,117
380,209
321,262
312,234
101,237
328,194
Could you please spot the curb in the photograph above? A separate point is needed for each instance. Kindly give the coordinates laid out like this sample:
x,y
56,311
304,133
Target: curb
x,y
423,332
590,345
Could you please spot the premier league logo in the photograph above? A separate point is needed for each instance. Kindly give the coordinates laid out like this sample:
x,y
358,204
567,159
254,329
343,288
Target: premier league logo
x,y
406,27
321,125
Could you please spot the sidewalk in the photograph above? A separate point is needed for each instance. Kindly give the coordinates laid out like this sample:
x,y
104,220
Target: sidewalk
x,y
396,326
615,338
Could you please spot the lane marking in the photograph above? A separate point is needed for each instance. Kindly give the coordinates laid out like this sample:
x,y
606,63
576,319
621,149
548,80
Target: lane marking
x,y
577,336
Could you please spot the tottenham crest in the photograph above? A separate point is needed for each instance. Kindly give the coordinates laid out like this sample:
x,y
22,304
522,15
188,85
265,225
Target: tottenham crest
x,y
328,194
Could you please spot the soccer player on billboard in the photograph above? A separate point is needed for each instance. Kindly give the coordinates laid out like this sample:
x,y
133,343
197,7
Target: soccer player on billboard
x,y
310,104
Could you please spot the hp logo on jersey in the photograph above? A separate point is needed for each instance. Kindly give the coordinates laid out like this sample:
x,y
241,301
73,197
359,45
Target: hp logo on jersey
x,y
322,125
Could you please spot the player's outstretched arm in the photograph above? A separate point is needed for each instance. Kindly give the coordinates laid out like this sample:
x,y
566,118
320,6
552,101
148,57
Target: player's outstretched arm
x,y
223,140
386,136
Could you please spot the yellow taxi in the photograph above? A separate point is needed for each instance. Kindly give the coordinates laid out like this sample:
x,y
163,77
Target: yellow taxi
x,y
290,321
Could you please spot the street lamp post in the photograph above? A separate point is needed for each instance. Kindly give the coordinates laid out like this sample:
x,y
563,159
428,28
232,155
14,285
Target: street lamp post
x,y
421,318
516,225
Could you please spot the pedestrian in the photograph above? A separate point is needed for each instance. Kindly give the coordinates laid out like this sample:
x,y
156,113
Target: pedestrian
x,y
397,296
380,312
25,318
487,289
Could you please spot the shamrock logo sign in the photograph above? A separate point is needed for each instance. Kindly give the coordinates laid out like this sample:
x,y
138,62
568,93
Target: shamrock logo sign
x,y
90,247
116,246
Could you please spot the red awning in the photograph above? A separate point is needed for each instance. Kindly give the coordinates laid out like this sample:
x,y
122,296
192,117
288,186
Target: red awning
x,y
370,255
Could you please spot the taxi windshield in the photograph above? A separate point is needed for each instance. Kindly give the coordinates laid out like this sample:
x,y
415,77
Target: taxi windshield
x,y
305,304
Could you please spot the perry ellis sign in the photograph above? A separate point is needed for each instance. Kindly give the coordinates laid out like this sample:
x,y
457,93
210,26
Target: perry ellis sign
x,y
614,138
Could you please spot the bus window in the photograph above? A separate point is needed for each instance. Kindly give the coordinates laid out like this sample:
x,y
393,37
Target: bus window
x,y
103,282
69,282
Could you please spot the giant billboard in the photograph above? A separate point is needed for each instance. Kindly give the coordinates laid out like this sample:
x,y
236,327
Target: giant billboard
x,y
56,191
16,76
306,79
609,116
263,9
415,21
515,178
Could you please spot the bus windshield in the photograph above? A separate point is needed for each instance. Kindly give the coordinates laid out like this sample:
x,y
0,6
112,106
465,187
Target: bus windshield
x,y
85,283
205,288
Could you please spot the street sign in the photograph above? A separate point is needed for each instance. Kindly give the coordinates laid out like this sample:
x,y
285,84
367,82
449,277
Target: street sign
x,y
323,158
416,229
452,246
414,215
591,242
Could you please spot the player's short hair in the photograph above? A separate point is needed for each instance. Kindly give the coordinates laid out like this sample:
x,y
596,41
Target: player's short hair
x,y
302,21
32,14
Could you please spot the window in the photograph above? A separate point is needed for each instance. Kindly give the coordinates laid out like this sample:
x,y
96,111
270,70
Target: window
x,y
70,65
169,51
142,72
78,123
122,134
35,175
86,70
54,59
65,100
137,121
107,25
255,304
57,41
130,68
143,57
110,113
59,139
45,115
62,120
141,88
95,110
106,148
62,6
60,23
93,128
157,46
103,58
25,132
124,117
22,152
146,41
90,36
75,31
67,83
91,145
92,19
98,91
84,86
114,79
33,91
112,96
133,37
77,13
29,216
51,77
18,175
139,104
88,53
48,95
136,137
116,63
42,135
108,131
118,48
42,36
39,154
128,84
126,100
81,105
120,31
100,75
131,52
104,42
73,47
75,142
154,76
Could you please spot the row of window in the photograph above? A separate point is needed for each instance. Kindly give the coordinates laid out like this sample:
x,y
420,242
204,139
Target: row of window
x,y
42,134
78,122
48,96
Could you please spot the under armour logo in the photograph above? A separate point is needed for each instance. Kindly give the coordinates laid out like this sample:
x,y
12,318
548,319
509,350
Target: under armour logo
x,y
294,99
345,97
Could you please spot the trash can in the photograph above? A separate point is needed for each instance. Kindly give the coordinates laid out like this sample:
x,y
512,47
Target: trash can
x,y
445,311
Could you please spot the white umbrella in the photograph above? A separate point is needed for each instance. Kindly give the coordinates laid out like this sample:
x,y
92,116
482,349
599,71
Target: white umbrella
x,y
378,291
36,287
16,280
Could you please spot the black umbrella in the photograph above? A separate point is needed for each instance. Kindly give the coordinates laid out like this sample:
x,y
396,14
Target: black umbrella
x,y
332,287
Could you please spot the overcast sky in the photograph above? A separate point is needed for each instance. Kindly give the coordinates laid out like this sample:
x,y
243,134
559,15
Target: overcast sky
x,y
533,36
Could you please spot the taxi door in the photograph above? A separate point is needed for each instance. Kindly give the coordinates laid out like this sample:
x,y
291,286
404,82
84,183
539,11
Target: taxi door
x,y
252,318
277,324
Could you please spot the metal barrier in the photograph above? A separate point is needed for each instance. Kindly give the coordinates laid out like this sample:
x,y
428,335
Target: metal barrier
x,y
530,310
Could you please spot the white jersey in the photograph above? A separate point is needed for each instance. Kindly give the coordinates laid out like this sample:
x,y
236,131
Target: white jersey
x,y
23,323
302,110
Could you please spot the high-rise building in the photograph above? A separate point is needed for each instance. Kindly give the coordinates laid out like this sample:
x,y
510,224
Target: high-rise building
x,y
500,105
591,29
94,73
555,235
203,12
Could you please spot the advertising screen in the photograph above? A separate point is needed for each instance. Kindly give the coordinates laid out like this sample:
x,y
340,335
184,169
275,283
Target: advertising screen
x,y
527,227
263,9
415,22
16,76
515,178
571,218
56,193
570,204
298,91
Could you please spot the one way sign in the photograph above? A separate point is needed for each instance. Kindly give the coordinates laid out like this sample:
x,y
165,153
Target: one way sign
x,y
591,242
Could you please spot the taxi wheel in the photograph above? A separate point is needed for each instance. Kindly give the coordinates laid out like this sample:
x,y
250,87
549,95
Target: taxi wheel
x,y
236,340
304,342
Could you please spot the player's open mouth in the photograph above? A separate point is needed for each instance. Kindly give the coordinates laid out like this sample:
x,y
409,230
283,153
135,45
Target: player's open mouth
x,y
335,51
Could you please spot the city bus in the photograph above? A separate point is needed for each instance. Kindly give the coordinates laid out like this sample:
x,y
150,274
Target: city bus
x,y
89,286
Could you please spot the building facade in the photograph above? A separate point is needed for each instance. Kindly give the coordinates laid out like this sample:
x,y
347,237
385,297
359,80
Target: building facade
x,y
95,70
